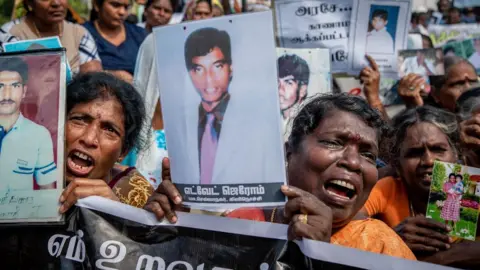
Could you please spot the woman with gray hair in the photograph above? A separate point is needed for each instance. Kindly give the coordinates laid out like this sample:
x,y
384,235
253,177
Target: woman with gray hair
x,y
422,135
460,75
468,112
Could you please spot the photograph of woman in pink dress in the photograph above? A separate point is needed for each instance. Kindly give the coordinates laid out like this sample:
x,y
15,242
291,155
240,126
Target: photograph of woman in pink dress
x,y
453,187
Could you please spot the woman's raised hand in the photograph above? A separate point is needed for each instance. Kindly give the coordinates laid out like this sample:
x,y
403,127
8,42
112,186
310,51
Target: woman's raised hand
x,y
423,235
306,215
166,197
79,188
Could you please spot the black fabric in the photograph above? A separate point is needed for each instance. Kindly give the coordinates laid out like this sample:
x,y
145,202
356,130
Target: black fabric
x,y
91,239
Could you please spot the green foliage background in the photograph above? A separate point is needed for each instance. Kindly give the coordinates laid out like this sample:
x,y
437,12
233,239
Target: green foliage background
x,y
6,7
439,174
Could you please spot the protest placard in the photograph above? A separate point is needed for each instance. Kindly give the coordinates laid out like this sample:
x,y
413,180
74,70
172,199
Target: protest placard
x,y
302,73
380,34
454,198
32,117
221,110
37,44
443,34
104,234
468,49
466,3
315,24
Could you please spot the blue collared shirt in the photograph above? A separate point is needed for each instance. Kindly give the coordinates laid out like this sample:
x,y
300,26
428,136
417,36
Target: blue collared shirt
x,y
26,154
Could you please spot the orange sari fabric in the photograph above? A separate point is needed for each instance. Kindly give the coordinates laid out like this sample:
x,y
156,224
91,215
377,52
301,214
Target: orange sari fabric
x,y
367,235
374,236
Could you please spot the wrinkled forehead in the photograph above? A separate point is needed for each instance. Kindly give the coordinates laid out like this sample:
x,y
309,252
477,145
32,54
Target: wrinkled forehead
x,y
347,124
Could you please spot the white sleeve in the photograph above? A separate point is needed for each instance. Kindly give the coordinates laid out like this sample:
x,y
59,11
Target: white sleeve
x,y
145,76
45,170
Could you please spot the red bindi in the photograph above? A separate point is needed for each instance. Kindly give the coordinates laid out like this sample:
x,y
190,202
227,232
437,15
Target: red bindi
x,y
354,137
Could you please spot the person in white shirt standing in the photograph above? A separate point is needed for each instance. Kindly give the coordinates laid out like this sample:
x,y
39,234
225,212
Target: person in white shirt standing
x,y
26,148
475,57
379,41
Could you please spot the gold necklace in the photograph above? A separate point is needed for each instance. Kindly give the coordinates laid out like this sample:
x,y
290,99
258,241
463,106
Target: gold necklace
x,y
60,29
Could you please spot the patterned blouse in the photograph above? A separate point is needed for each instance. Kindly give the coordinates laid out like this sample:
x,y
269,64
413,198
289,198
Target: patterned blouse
x,y
131,188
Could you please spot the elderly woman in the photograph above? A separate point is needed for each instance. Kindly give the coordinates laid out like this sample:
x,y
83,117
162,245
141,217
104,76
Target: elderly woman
x,y
331,169
47,19
117,41
459,76
468,112
104,121
423,135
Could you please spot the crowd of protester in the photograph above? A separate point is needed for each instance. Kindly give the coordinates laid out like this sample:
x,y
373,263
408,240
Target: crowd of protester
x,y
113,108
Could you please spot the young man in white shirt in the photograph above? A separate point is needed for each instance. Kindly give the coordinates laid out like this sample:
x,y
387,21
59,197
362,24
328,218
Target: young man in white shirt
x,y
26,148
379,41
418,65
475,57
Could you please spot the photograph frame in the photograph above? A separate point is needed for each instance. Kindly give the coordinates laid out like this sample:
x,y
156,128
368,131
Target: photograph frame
x,y
454,198
184,94
34,206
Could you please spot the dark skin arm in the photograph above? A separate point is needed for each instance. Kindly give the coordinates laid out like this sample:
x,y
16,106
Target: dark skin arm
x,y
464,255
370,77
166,200
423,235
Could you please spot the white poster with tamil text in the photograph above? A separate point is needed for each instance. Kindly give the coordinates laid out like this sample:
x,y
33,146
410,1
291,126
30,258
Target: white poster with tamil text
x,y
380,29
315,24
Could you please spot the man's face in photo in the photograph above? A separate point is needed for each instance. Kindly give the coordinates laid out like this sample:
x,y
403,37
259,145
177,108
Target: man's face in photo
x,y
378,23
12,91
211,75
290,91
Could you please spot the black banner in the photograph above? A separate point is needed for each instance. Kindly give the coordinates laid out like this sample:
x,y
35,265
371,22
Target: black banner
x,y
133,239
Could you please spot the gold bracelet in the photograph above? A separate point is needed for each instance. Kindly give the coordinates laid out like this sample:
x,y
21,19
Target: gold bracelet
x,y
273,214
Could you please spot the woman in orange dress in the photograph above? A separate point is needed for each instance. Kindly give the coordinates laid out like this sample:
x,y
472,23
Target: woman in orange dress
x,y
331,156
423,135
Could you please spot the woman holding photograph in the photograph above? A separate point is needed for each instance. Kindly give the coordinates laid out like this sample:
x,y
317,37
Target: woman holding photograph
x,y
47,19
460,75
331,168
423,135
104,121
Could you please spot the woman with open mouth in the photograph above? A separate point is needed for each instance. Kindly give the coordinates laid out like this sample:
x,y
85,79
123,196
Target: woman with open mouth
x,y
423,135
331,154
104,121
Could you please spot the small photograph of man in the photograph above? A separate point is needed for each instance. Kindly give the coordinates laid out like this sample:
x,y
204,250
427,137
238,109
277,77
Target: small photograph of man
x,y
209,63
26,148
427,62
381,30
293,78
475,57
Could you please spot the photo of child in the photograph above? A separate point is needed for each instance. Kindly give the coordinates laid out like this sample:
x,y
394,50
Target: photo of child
x,y
453,198
381,30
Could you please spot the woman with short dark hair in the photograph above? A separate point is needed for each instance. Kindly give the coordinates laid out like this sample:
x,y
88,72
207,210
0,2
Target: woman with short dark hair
x,y
105,116
117,41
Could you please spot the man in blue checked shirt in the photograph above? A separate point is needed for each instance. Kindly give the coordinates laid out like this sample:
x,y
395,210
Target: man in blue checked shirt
x,y
26,149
